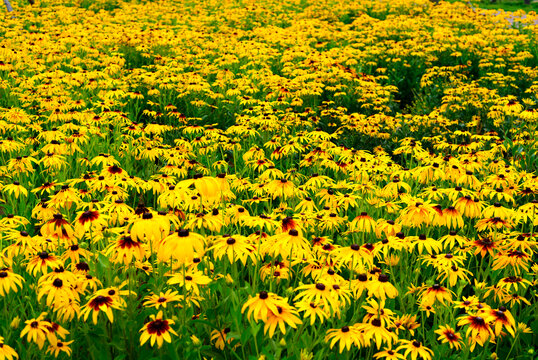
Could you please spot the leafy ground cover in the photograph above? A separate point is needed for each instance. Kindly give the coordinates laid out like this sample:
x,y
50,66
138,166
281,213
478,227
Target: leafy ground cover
x,y
267,180
507,5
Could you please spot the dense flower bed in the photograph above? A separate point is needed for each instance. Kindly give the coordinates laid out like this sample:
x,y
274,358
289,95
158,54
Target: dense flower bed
x,y
267,179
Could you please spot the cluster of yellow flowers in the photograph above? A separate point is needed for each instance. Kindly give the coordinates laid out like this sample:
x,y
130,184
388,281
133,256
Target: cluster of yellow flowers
x,y
362,173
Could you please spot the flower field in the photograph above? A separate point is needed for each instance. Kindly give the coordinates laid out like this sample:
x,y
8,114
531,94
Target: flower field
x,y
268,180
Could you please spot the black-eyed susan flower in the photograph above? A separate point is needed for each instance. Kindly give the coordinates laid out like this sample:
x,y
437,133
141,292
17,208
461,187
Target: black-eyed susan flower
x,y
182,246
422,242
389,354
285,315
235,248
290,245
517,260
450,336
417,214
381,288
436,293
90,221
453,218
359,285
55,332
148,228
162,299
493,224
501,318
99,304
56,291
6,351
478,328
36,330
260,305
221,338
415,349
454,274
387,228
314,312
59,228
346,337
9,281
275,270
125,250
469,207
452,239
87,282
192,280
58,347
157,330
406,322
281,188
377,310
373,331
15,190
319,293
42,262
514,282
363,223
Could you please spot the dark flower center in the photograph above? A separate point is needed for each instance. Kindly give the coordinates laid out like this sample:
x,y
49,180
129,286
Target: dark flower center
x,y
158,327
88,216
147,216
320,286
128,242
83,266
99,301
183,233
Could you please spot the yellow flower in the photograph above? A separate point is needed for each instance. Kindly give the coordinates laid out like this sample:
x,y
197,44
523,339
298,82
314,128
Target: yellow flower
x,y
36,330
450,336
415,349
284,315
60,346
157,330
6,351
345,337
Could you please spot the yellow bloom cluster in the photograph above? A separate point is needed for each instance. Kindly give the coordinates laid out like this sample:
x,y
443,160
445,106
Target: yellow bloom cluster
x,y
353,173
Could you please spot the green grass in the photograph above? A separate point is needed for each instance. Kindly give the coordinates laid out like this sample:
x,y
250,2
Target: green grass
x,y
507,5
